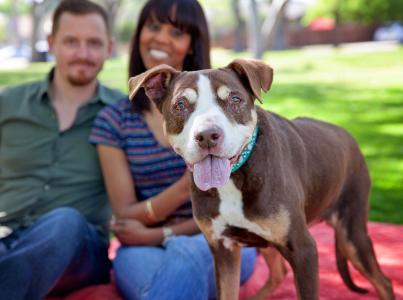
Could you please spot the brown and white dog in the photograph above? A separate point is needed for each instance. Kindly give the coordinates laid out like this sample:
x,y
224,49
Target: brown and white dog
x,y
298,172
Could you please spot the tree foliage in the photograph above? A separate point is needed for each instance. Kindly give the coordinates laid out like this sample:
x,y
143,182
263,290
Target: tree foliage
x,y
358,11
6,6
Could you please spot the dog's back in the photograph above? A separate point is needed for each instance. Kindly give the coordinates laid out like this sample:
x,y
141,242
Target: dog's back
x,y
307,159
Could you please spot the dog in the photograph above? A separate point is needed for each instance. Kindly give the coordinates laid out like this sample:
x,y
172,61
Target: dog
x,y
260,179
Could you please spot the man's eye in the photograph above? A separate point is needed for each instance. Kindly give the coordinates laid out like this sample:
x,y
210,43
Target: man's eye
x,y
95,43
70,42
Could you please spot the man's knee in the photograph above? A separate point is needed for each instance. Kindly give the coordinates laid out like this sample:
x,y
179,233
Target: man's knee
x,y
65,223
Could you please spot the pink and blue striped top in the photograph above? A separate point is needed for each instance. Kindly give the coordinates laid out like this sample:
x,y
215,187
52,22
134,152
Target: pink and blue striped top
x,y
153,167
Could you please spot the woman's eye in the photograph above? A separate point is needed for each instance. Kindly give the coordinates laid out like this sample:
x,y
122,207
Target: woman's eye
x,y
153,26
236,99
176,32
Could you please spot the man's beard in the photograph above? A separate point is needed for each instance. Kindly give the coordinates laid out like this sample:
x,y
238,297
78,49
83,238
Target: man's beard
x,y
82,79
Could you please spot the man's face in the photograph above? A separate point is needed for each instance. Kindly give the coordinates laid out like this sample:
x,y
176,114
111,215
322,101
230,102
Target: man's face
x,y
80,45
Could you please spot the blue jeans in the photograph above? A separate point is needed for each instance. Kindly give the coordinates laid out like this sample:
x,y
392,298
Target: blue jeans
x,y
60,252
182,269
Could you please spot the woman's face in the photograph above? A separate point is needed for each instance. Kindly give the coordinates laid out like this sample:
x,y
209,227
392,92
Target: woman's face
x,y
163,43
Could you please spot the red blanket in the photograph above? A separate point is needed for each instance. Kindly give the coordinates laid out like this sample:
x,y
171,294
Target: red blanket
x,y
388,241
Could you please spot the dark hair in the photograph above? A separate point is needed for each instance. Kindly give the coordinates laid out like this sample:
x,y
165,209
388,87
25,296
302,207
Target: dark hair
x,y
78,7
188,16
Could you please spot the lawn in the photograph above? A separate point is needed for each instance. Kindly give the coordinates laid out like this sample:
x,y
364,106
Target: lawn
x,y
360,91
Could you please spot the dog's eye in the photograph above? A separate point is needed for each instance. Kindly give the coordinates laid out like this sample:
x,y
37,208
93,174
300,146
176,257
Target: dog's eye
x,y
236,99
180,104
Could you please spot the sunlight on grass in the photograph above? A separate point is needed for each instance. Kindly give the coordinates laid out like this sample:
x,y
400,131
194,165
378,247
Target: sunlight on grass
x,y
362,92
395,129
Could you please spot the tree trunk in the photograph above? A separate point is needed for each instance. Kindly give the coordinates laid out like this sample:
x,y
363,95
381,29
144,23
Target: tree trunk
x,y
254,40
14,32
239,30
38,12
274,17
337,18
262,37
35,55
112,8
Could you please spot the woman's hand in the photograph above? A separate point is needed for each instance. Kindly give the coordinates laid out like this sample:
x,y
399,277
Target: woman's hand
x,y
133,232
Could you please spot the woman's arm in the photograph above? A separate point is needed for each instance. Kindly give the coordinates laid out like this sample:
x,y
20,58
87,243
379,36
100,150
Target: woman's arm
x,y
133,232
121,189
188,227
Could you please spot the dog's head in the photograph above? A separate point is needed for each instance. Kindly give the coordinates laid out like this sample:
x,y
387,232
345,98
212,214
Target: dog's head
x,y
209,115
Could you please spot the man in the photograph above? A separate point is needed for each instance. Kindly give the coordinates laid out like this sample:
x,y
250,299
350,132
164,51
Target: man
x,y
53,205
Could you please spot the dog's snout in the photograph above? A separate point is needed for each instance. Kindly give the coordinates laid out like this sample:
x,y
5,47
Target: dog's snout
x,y
209,138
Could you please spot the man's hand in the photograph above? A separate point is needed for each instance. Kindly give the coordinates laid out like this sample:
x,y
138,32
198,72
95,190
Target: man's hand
x,y
133,232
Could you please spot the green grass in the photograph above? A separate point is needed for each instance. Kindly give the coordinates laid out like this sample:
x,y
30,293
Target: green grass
x,y
362,92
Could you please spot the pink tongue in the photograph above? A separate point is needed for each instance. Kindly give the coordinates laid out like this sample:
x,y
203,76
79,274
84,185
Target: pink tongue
x,y
211,172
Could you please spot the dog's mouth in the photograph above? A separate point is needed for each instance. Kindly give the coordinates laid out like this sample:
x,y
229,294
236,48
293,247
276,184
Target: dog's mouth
x,y
212,171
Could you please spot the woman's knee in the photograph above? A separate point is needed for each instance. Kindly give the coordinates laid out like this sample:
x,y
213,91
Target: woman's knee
x,y
189,245
122,260
193,251
134,258
135,268
248,261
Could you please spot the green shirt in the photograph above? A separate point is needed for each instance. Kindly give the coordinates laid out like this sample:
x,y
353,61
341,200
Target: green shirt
x,y
42,168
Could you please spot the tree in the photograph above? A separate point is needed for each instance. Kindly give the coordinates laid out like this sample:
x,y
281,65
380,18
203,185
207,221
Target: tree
x,y
112,9
358,11
239,29
14,32
262,34
12,9
39,9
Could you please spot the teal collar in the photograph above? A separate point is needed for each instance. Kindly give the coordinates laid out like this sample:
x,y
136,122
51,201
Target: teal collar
x,y
246,151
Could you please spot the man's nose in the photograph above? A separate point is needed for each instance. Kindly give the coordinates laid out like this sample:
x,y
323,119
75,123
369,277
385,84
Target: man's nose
x,y
82,50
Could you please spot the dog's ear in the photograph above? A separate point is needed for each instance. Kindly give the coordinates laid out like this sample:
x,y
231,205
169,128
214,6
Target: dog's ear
x,y
155,82
256,74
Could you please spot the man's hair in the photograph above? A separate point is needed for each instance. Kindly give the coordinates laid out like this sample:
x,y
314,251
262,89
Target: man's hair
x,y
78,7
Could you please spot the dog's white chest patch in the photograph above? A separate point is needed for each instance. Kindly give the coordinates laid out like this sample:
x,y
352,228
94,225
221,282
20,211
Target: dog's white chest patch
x,y
231,214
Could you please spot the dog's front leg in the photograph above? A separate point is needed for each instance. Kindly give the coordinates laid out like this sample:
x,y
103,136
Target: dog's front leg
x,y
227,261
302,255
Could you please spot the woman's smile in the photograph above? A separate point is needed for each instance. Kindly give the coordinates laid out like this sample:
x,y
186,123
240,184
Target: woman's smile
x,y
158,54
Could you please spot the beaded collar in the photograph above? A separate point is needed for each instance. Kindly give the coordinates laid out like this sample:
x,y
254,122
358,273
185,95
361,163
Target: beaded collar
x,y
246,151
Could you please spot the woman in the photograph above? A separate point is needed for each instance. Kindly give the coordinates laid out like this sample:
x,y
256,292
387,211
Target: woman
x,y
163,255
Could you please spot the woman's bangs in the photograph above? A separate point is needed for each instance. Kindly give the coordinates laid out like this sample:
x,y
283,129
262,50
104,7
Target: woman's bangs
x,y
176,16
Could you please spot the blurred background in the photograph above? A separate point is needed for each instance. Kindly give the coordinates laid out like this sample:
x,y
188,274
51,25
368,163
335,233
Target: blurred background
x,y
336,60
239,25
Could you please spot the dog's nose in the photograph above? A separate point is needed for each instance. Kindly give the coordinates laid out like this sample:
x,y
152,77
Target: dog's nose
x,y
209,138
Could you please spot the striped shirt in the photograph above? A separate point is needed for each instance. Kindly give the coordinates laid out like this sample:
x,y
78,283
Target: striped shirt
x,y
153,167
